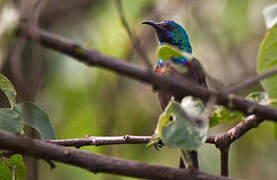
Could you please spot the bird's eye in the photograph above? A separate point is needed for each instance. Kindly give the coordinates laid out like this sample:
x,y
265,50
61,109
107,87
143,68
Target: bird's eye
x,y
171,119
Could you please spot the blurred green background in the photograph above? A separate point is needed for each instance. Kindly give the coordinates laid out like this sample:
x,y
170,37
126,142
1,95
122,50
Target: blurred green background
x,y
225,37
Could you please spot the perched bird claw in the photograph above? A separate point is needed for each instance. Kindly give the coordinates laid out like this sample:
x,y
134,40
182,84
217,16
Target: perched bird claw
x,y
158,145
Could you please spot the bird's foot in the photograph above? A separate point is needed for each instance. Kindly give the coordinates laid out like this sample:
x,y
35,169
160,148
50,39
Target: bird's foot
x,y
158,145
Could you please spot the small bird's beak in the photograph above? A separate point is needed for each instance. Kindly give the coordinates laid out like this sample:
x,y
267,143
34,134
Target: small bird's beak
x,y
153,24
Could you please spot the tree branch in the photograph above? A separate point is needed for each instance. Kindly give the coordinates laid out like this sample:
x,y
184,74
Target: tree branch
x,y
236,132
95,163
241,85
224,160
96,141
178,88
224,141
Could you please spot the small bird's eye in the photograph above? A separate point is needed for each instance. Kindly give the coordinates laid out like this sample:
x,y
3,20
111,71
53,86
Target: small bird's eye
x,y
171,119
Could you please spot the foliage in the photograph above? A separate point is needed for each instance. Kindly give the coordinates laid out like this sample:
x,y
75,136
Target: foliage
x,y
267,60
222,114
267,57
33,116
8,89
10,120
259,97
94,101
13,119
28,114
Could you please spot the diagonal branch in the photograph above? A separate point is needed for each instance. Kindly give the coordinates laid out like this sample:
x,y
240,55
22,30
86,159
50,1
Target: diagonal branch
x,y
236,132
224,141
95,163
244,84
178,88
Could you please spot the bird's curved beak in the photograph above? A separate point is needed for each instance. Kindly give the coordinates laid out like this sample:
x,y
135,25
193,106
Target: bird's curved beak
x,y
154,25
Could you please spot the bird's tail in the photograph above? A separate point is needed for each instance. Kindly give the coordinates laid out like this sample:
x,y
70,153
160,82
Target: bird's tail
x,y
182,163
190,157
194,158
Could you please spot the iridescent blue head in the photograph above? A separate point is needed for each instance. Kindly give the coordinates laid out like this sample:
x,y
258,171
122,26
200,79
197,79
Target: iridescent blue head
x,y
172,33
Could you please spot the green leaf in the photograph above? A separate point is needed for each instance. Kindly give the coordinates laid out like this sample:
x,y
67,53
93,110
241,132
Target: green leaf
x,y
267,59
5,171
17,166
182,125
33,116
166,52
262,98
259,97
10,120
222,114
8,89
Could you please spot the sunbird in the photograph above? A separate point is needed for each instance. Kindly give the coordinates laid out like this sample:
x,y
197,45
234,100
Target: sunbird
x,y
169,32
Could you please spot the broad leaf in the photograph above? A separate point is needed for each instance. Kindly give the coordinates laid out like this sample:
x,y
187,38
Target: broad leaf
x,y
8,89
33,116
267,56
267,59
10,120
222,114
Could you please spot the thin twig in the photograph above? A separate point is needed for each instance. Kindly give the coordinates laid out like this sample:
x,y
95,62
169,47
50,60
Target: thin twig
x,y
97,141
244,84
95,163
222,139
178,88
135,41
